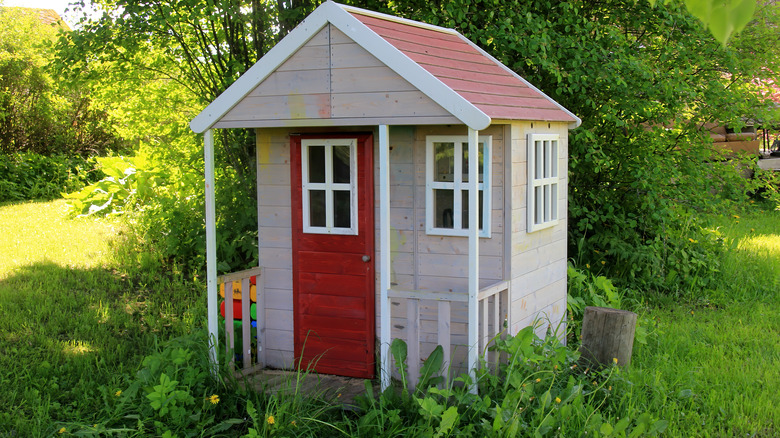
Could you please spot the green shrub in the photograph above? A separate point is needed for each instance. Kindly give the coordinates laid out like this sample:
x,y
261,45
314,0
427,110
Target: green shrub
x,y
26,176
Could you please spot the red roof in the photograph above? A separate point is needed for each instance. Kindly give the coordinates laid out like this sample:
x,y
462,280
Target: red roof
x,y
467,70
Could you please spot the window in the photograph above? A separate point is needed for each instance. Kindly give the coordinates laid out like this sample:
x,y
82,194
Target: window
x,y
447,185
329,177
542,181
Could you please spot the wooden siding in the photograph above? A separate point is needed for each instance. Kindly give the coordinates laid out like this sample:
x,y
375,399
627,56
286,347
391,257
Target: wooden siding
x,y
275,243
462,67
432,262
332,81
537,260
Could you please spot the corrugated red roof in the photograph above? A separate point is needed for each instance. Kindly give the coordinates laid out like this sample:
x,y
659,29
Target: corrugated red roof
x,y
466,70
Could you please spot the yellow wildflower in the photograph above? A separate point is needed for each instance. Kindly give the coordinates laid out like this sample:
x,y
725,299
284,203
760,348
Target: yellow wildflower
x,y
603,262
270,419
538,380
736,217
214,399
118,393
691,240
292,422
614,360
62,430
557,399
587,265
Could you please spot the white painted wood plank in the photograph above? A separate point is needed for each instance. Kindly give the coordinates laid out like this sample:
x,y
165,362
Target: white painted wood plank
x,y
458,266
292,106
275,237
262,340
274,174
351,55
333,122
240,275
367,79
229,329
484,322
385,265
211,251
274,196
278,300
384,104
278,278
444,335
307,58
276,217
427,295
279,339
246,324
413,342
280,258
473,262
285,82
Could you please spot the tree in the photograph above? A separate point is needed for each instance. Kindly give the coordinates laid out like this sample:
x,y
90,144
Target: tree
x,y
37,113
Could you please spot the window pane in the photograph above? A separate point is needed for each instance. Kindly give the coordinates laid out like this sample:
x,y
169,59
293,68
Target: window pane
x,y
547,163
546,202
538,154
444,161
538,205
341,164
481,164
316,164
443,203
341,209
554,158
317,208
465,217
554,204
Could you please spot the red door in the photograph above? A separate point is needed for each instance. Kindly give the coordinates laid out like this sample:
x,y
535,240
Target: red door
x,y
333,247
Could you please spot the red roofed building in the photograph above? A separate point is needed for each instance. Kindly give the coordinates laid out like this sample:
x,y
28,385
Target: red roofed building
x,y
365,128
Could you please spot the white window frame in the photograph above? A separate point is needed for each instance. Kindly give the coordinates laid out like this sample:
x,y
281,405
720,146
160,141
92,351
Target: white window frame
x,y
543,180
457,185
329,186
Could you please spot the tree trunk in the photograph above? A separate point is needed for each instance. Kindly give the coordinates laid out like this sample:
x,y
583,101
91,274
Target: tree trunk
x,y
607,335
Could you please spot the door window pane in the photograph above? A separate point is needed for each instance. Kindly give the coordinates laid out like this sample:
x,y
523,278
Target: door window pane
x,y
341,209
341,164
443,208
317,208
480,165
316,164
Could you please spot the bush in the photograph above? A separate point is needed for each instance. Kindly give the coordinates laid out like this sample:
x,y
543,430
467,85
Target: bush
x,y
26,176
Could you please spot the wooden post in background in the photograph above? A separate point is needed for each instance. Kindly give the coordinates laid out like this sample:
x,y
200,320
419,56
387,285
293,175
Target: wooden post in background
x,y
607,334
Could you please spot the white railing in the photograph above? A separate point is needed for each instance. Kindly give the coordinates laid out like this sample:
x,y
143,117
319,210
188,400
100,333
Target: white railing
x,y
492,300
246,294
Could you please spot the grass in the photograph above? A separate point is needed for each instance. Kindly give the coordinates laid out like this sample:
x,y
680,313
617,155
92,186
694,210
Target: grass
x,y
77,324
717,352
73,319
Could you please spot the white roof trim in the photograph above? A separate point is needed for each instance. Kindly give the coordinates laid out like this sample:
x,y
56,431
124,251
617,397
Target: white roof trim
x,y
572,125
401,20
421,78
261,70
338,15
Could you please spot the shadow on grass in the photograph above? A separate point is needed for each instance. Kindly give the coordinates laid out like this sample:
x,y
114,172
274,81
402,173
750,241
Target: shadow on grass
x,y
64,332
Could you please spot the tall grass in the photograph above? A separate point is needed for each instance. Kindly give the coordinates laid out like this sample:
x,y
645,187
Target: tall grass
x,y
73,319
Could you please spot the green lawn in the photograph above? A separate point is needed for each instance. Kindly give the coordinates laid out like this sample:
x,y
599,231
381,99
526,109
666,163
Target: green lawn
x,y
76,325
72,319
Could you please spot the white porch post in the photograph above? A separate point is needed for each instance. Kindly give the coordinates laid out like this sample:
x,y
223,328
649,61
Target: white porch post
x,y
473,310
384,254
211,249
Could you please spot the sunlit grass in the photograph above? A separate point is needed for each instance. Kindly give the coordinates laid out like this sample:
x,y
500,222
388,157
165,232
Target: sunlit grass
x,y
36,232
73,317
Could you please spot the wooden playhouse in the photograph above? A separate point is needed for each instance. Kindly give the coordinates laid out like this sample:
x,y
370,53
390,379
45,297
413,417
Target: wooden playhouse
x,y
365,128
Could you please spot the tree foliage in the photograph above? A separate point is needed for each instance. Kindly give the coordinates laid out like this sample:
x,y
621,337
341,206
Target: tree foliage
x,y
37,113
644,78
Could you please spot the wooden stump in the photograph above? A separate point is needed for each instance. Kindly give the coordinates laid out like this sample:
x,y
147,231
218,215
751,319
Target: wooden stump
x,y
607,334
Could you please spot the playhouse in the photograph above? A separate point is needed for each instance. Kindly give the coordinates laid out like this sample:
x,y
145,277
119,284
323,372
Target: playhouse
x,y
409,186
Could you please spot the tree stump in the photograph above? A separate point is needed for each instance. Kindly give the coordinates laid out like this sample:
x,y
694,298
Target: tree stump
x,y
607,334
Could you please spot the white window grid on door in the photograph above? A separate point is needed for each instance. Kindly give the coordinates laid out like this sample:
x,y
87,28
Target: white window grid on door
x,y
457,185
329,186
543,178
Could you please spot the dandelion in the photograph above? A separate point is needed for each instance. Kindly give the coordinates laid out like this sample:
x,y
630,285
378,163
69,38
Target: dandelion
x,y
118,393
214,399
587,265
338,396
62,430
691,312
691,240
292,423
555,367
736,217
610,388
538,380
557,399
603,262
270,419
